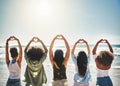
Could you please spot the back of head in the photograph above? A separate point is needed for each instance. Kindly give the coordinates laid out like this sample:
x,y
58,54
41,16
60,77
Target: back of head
x,y
105,58
82,63
14,52
35,53
58,57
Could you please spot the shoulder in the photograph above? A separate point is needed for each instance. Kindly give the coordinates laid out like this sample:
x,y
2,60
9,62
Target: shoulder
x,y
44,54
73,56
88,55
95,56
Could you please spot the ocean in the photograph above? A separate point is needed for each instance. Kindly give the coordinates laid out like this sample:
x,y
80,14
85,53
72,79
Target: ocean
x,y
114,71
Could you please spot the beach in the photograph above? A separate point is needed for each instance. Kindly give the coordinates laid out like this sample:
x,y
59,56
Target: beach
x,y
90,20
114,71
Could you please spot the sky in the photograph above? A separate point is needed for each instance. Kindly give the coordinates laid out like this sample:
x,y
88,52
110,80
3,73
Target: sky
x,y
87,19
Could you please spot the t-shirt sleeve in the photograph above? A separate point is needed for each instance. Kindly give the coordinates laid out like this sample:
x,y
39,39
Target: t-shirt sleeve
x,y
27,59
25,55
43,58
74,59
88,58
95,56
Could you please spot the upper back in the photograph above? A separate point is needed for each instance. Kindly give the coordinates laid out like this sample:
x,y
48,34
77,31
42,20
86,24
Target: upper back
x,y
59,73
14,70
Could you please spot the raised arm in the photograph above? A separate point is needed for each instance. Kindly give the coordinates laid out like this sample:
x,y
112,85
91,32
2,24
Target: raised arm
x,y
95,47
110,47
7,52
80,41
20,49
45,48
51,51
26,48
67,55
73,49
88,48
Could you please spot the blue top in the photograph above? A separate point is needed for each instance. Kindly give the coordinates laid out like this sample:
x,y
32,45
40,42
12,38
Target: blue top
x,y
78,78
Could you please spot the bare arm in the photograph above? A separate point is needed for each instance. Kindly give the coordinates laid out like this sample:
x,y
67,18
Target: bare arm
x,y
51,51
45,48
20,51
88,48
67,51
73,49
110,47
26,48
95,48
7,53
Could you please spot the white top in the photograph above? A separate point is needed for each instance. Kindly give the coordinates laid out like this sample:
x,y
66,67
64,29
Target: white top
x,y
101,73
14,70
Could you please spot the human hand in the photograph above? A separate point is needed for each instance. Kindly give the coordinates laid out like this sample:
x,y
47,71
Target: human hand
x,y
59,36
104,41
12,38
80,41
35,39
101,41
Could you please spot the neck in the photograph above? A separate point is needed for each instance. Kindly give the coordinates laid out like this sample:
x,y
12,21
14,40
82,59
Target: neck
x,y
14,58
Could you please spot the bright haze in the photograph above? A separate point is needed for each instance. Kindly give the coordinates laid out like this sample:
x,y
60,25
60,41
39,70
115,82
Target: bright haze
x,y
75,19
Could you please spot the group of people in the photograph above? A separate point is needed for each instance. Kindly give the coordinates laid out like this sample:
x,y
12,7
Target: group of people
x,y
35,56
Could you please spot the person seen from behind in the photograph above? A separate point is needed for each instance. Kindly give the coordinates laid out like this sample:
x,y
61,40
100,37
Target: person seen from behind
x,y
81,61
35,56
103,62
59,62
14,65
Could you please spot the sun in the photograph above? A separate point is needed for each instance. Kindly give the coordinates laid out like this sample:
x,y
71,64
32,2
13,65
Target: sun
x,y
40,8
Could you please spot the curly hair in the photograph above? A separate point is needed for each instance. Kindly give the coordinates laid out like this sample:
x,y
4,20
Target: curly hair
x,y
13,52
82,63
58,57
105,58
35,53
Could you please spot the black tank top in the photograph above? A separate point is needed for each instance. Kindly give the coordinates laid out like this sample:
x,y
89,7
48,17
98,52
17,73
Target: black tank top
x,y
59,73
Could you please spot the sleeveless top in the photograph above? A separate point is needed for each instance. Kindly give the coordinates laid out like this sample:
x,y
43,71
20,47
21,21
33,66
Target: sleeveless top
x,y
59,74
14,70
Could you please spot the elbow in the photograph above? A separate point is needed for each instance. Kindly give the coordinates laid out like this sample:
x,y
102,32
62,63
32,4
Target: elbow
x,y
93,52
72,53
112,51
46,51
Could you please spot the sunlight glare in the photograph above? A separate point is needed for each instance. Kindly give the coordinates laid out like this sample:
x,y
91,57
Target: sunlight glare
x,y
40,8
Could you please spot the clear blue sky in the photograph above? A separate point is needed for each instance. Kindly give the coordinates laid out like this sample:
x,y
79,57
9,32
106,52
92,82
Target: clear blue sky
x,y
88,19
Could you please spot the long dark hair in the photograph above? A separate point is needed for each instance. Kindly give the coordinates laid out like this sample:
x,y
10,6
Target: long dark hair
x,y
58,57
13,52
105,58
82,63
35,53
